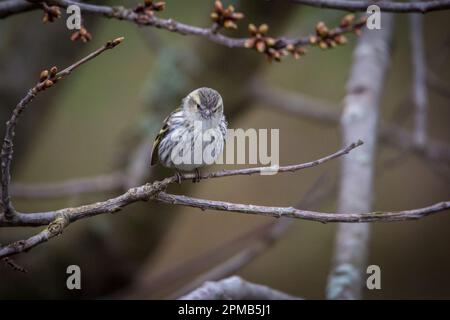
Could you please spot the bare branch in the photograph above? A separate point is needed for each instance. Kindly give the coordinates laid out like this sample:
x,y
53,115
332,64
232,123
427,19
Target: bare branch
x,y
150,191
48,79
291,212
236,288
385,6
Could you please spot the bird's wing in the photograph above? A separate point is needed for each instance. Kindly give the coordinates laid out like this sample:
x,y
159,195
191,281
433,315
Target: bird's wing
x,y
162,133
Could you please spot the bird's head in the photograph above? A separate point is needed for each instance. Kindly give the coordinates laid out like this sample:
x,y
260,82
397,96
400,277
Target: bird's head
x,y
204,103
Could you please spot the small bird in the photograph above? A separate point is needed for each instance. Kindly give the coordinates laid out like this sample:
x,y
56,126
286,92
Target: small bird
x,y
193,135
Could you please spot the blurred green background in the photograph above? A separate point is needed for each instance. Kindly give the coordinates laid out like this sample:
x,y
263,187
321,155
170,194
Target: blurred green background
x,y
99,118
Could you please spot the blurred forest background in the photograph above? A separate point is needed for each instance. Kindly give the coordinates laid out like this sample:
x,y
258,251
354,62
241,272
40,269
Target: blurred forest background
x,y
106,115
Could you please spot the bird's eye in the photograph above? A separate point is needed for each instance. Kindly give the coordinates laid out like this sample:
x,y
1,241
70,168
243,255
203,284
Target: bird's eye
x,y
199,106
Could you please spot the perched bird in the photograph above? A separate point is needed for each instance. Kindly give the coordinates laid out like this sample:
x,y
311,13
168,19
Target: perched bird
x,y
193,135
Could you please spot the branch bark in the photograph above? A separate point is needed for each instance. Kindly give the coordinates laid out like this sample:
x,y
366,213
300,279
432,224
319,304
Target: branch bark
x,y
359,118
236,288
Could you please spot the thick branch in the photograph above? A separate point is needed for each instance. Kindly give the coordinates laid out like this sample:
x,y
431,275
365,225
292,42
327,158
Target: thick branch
x,y
236,288
291,212
385,6
149,191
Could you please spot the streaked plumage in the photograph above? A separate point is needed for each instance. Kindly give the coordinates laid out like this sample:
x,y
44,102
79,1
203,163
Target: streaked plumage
x,y
201,113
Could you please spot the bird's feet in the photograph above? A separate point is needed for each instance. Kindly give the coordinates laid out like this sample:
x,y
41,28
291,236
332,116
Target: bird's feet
x,y
178,176
197,177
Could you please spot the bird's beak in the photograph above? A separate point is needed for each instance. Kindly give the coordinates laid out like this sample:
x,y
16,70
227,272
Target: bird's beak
x,y
207,114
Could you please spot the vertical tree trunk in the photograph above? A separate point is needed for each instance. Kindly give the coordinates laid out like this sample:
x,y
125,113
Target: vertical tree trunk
x,y
359,121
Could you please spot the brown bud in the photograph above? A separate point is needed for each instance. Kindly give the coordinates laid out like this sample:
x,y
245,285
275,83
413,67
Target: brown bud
x,y
260,46
75,36
218,6
331,43
270,41
249,43
290,47
238,15
321,29
148,3
53,71
214,16
48,84
45,18
159,6
263,28
230,24
252,28
313,39
117,41
340,39
55,11
43,76
323,45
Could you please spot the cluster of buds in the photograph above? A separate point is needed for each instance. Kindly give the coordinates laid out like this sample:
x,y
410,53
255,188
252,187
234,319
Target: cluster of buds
x,y
225,17
51,13
262,43
326,38
82,35
147,9
274,49
47,78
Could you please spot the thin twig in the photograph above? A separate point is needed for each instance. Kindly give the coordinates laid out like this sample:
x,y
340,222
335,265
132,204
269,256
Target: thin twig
x,y
60,219
385,6
7,146
324,217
